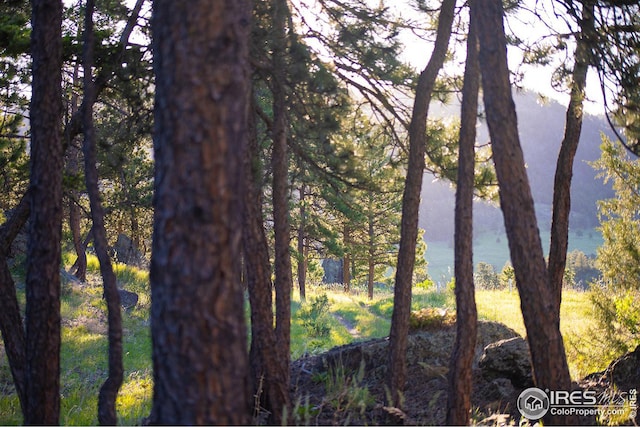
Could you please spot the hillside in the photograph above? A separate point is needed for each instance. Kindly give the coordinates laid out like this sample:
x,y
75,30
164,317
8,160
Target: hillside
x,y
541,129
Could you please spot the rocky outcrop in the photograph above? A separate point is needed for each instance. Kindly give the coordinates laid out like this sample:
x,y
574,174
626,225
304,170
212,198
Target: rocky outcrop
x,y
508,359
126,252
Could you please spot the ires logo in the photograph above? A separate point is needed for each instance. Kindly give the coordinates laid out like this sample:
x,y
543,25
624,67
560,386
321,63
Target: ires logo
x,y
534,403
573,398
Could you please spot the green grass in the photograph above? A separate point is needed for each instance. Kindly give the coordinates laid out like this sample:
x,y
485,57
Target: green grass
x,y
84,344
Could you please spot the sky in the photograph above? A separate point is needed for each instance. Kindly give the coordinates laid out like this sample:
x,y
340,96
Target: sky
x,y
526,26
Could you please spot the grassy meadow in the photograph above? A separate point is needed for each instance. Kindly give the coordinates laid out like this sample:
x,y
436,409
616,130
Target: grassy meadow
x,y
328,318
492,248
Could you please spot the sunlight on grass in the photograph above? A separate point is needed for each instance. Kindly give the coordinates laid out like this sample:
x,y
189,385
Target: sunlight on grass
x,y
576,322
134,400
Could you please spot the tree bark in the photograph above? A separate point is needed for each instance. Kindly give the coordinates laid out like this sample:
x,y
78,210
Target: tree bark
x,y
109,390
270,380
460,367
371,258
302,248
42,377
537,300
564,168
72,157
80,265
197,315
346,260
11,326
9,303
280,167
396,376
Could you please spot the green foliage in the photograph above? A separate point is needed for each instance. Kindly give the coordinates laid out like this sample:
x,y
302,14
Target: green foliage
x,y
618,294
486,277
347,393
431,319
314,319
507,276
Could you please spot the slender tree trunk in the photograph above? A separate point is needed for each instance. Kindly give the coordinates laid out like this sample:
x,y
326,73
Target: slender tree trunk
x,y
302,250
14,332
270,381
73,158
396,376
109,390
346,260
45,226
564,167
199,340
10,318
280,166
537,299
460,367
371,258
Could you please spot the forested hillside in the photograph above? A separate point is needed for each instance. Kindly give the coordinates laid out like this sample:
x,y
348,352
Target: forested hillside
x,y
540,124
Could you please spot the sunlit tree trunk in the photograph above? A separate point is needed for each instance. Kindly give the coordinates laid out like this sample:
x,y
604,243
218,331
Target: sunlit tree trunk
x,y
109,390
564,167
397,373
460,367
537,298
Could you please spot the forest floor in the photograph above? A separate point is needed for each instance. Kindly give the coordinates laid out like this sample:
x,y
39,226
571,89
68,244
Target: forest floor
x,y
326,389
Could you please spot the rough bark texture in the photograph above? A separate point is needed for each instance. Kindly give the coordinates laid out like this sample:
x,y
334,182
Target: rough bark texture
x,y
537,301
280,167
109,390
564,168
396,377
10,318
198,331
270,386
13,331
460,368
42,377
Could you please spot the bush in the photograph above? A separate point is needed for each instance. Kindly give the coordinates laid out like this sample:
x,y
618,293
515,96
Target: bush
x,y
314,317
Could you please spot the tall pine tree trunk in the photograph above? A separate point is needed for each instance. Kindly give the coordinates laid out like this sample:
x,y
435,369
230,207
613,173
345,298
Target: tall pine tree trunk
x,y
109,390
397,373
302,247
11,327
280,166
269,379
564,168
541,319
460,367
200,361
42,377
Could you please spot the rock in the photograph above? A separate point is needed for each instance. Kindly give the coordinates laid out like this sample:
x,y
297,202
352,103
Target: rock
x,y
128,299
424,348
499,389
625,371
332,270
509,359
126,252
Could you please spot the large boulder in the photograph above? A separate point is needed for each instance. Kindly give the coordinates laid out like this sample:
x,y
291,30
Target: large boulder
x,y
126,252
128,299
332,270
508,358
625,371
